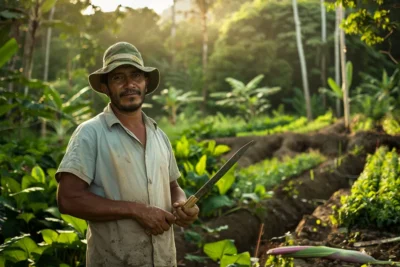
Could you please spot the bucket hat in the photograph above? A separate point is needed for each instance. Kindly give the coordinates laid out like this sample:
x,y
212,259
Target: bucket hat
x,y
123,53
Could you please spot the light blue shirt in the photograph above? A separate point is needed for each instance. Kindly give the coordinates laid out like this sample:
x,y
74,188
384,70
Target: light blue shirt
x,y
109,157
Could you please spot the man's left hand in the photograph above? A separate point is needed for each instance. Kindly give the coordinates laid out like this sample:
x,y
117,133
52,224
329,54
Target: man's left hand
x,y
185,216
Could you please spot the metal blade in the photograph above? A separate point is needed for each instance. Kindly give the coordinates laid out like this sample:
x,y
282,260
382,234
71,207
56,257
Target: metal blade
x,y
221,172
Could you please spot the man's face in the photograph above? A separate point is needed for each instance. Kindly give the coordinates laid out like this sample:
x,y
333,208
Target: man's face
x,y
126,88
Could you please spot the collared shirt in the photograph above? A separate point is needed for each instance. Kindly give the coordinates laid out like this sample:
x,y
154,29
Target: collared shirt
x,y
109,157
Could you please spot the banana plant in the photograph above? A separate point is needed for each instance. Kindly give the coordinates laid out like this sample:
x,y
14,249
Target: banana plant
x,y
172,99
335,90
249,99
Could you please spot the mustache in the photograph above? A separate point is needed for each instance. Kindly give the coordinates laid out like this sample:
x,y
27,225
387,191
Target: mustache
x,y
130,92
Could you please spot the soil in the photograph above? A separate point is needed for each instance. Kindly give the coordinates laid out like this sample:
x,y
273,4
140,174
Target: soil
x,y
300,201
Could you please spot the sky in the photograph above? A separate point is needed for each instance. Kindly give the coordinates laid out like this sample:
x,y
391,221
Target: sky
x,y
111,5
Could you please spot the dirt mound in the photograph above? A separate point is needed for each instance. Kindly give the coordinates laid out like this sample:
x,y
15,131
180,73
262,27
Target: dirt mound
x,y
319,230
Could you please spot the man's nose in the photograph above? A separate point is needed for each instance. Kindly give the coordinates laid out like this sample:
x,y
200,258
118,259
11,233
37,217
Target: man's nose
x,y
130,81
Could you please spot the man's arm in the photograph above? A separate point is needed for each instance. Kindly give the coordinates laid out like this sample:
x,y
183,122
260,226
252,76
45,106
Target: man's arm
x,y
184,217
74,198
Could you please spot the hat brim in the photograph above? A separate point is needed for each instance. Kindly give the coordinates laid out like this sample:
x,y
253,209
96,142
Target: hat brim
x,y
153,73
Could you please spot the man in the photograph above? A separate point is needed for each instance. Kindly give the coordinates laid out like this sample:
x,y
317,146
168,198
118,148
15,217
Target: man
x,y
119,172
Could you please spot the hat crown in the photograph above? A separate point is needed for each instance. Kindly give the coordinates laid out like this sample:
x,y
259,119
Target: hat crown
x,y
122,51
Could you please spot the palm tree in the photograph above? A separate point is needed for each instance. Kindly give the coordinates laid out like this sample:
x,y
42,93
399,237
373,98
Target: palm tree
x,y
248,98
302,60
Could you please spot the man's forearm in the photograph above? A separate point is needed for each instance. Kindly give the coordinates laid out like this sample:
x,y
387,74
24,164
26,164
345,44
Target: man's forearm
x,y
91,207
177,194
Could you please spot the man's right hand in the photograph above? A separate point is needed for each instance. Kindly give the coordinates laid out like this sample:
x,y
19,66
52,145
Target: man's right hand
x,y
155,221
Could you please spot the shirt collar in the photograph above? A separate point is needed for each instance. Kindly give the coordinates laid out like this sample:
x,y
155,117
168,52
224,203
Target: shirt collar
x,y
111,119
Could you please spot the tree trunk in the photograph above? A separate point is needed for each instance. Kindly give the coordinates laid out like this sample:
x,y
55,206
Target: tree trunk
x,y
205,52
323,50
302,61
337,60
173,33
346,104
46,63
29,45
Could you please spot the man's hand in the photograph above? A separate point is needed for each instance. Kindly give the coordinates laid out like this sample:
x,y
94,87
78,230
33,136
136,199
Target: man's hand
x,y
185,216
154,220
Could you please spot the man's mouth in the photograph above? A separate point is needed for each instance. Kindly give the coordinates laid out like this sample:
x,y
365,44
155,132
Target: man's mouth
x,y
130,92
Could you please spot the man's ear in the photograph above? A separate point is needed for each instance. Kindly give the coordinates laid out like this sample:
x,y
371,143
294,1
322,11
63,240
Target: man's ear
x,y
104,88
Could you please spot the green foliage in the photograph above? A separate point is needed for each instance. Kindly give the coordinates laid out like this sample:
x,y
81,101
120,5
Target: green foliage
x,y
391,126
376,98
271,172
372,20
301,125
248,99
7,51
362,123
374,200
226,252
197,163
221,126
296,101
172,99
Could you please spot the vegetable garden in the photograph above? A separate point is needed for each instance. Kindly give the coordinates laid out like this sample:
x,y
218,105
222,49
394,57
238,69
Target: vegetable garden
x,y
320,186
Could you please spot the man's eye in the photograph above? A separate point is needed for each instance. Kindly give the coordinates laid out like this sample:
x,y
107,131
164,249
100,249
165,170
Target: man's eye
x,y
137,75
117,77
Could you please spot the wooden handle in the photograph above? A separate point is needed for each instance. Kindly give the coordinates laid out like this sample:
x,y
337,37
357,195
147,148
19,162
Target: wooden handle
x,y
190,202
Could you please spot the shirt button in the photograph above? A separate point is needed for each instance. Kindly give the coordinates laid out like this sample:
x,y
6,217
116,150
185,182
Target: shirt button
x,y
150,182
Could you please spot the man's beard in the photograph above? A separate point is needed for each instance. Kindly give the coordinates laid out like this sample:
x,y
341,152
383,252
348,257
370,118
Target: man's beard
x,y
131,107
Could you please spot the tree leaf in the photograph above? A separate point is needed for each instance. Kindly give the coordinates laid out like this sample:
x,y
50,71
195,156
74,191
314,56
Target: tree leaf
x,y
215,202
67,237
239,259
47,5
28,190
49,236
38,174
54,96
221,149
27,244
201,165
4,108
26,216
226,182
217,250
7,51
254,82
78,224
335,88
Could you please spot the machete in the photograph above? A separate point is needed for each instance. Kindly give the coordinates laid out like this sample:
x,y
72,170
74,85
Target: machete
x,y
218,175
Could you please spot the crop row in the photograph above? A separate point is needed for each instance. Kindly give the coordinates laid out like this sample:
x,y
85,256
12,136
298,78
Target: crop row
x,y
375,196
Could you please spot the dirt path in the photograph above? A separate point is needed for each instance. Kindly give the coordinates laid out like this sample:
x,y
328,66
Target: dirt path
x,y
295,197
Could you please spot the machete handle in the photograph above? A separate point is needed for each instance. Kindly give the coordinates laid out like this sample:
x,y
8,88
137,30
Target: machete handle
x,y
190,202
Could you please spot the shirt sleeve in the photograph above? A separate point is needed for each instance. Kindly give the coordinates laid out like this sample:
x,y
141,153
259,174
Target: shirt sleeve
x,y
80,156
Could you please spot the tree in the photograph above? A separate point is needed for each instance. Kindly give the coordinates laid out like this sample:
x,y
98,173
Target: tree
x,y
249,99
323,45
337,59
345,81
302,60
376,22
203,7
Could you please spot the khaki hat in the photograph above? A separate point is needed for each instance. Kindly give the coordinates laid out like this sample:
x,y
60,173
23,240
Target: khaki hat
x,y
123,53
